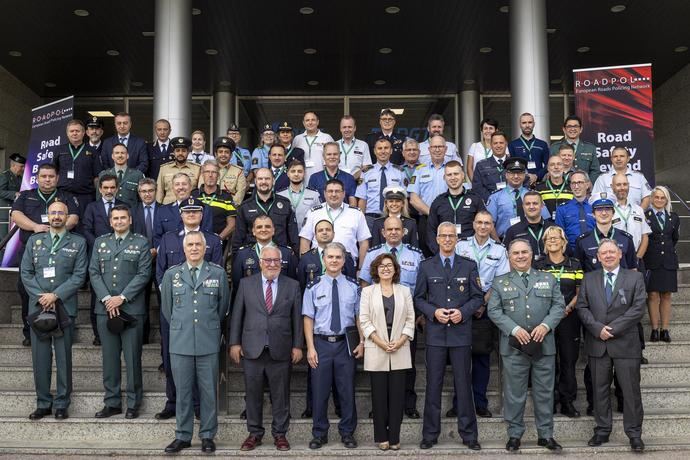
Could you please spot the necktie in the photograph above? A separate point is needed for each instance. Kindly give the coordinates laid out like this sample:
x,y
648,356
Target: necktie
x,y
335,311
123,140
583,218
56,238
446,265
609,287
120,174
572,144
269,296
525,279
662,219
394,251
119,242
164,149
197,156
110,207
148,223
518,203
193,272
382,185
500,163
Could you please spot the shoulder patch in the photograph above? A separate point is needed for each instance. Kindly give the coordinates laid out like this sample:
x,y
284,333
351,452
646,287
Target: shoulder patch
x,y
314,282
375,248
317,207
352,280
413,248
413,179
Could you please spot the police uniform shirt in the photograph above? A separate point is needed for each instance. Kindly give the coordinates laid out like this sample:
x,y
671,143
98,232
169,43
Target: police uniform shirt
x,y
128,188
242,158
409,258
370,188
77,167
317,303
34,205
301,202
458,209
568,274
313,151
427,182
318,180
587,246
221,206
489,176
164,184
311,266
451,153
292,152
661,252
245,262
278,208
638,187
199,157
554,196
231,180
534,150
349,225
408,171
504,208
530,232
491,258
260,158
158,155
568,217
353,156
630,218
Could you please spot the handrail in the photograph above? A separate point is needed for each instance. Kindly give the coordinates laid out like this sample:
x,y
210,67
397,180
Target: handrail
x,y
8,237
672,192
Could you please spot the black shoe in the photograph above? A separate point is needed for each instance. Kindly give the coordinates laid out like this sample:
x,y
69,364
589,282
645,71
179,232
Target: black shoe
x,y
197,414
569,410
131,413
654,336
208,446
452,413
39,413
243,415
427,443
665,337
483,412
636,444
176,446
97,342
412,413
61,414
550,444
26,342
371,414
165,414
161,368
619,406
590,411
306,413
597,440
348,441
513,445
644,360
108,411
473,445
318,442
338,413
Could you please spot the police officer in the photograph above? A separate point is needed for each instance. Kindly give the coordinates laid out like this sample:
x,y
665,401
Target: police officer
x,y
302,198
527,305
492,260
457,205
638,187
331,305
219,201
138,153
276,163
127,178
53,268
376,179
10,183
197,154
411,156
575,216
311,264
395,205
409,258
629,216
160,150
195,298
427,181
448,293
285,137
532,226
354,153
261,153
532,149
165,193
387,131
312,141
266,202
331,170
30,214
230,178
94,131
241,157
77,165
435,127
586,157
119,271
554,189
489,174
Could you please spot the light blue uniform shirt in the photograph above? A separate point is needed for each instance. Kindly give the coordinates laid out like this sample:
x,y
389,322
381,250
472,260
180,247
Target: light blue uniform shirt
x,y
491,258
503,207
242,158
428,183
370,188
260,158
317,304
408,256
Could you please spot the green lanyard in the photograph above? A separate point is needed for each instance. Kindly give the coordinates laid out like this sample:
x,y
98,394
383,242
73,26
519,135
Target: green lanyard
x,y
479,255
487,152
238,155
409,172
46,200
455,207
289,152
330,217
266,211
258,251
559,275
528,146
553,190
76,155
537,238
511,193
323,266
596,234
346,152
306,139
53,247
625,217
294,203
281,170
325,174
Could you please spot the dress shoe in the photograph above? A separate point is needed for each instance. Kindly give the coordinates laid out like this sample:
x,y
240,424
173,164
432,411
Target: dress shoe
x,y
243,415
394,446
338,413
654,336
569,410
473,445
26,342
61,414
281,442
620,406
306,413
427,443
131,413
452,413
513,445
590,411
636,444
165,414
384,445
250,443
176,446
39,413
371,414
597,440
412,413
665,336
208,445
97,342
483,412
550,444
349,441
644,360
318,442
108,411
161,368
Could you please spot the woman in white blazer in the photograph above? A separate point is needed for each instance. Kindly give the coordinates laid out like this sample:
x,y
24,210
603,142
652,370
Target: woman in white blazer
x,y
386,316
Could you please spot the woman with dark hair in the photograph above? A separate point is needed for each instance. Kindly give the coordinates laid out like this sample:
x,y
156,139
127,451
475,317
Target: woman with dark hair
x,y
481,150
395,205
386,316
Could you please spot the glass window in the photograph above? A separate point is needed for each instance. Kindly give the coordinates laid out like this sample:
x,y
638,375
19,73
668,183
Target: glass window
x,y
498,108
141,111
82,107
556,117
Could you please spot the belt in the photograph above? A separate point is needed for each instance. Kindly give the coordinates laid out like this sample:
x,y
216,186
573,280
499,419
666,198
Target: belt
x,y
330,338
373,214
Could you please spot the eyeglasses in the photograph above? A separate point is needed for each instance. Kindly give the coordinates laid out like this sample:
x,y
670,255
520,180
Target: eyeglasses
x,y
271,261
436,147
387,119
386,267
554,238
447,237
57,213
147,191
579,182
572,126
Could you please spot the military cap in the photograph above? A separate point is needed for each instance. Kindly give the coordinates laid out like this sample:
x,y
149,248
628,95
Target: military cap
x,y
18,158
285,126
181,142
224,142
516,164
387,111
234,128
191,204
94,122
267,127
602,202
394,193
119,323
45,322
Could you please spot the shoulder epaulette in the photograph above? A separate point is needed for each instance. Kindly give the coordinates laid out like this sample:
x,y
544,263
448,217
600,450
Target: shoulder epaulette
x,y
245,247
420,166
374,248
584,235
353,207
468,259
164,164
317,207
310,188
352,280
313,282
623,232
280,246
212,264
413,248
367,168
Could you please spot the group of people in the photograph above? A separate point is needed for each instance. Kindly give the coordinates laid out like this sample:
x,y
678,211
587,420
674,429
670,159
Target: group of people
x,y
348,249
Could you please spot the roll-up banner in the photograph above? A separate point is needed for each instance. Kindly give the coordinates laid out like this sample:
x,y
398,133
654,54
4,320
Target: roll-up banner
x,y
48,126
615,105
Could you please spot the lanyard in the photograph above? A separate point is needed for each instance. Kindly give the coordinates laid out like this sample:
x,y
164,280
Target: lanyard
x,y
289,152
306,139
596,235
625,217
537,238
76,155
487,152
528,146
53,247
294,203
258,250
266,211
347,152
330,217
559,275
238,155
409,172
46,200
479,255
511,193
553,190
325,173
280,172
323,266
455,208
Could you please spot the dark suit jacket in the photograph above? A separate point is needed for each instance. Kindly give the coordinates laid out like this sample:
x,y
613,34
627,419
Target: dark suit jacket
x,y
250,323
136,147
96,222
168,219
157,158
661,252
171,252
139,219
625,311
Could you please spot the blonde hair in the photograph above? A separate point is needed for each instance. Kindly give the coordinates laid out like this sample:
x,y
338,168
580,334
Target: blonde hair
x,y
559,231
664,190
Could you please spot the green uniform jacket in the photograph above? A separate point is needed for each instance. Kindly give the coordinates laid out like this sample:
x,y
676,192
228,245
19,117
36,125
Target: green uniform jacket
x,y
512,304
68,261
128,190
195,310
122,270
9,186
586,157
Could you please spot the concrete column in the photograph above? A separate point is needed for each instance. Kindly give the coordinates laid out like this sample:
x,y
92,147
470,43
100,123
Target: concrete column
x,y
223,112
529,70
172,66
469,121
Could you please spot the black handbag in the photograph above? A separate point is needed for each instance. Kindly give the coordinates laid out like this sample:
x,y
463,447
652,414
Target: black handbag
x,y
483,336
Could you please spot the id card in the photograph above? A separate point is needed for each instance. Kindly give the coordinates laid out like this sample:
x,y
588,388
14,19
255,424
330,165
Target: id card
x,y
531,165
500,185
458,229
70,174
515,220
44,219
309,164
49,272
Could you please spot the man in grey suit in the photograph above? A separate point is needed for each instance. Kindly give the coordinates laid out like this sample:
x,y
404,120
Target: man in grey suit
x,y
195,296
610,304
266,329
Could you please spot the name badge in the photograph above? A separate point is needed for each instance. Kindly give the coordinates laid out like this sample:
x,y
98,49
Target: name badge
x,y
49,272
515,220
500,185
44,218
70,174
531,165
309,164
458,229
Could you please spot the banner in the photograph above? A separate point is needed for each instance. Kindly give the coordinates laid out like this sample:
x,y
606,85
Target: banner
x,y
48,126
615,105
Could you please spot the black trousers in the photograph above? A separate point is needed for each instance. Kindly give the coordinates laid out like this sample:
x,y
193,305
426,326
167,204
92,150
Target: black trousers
x,y
568,347
24,296
278,375
387,401
411,379
421,231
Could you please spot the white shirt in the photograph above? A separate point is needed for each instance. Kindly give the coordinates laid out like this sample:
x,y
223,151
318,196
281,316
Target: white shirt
x,y
631,219
478,152
203,156
451,153
349,225
639,187
353,155
313,151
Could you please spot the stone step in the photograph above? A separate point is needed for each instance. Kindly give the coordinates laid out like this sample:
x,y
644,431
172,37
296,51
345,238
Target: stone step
x,y
12,334
83,427
83,315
